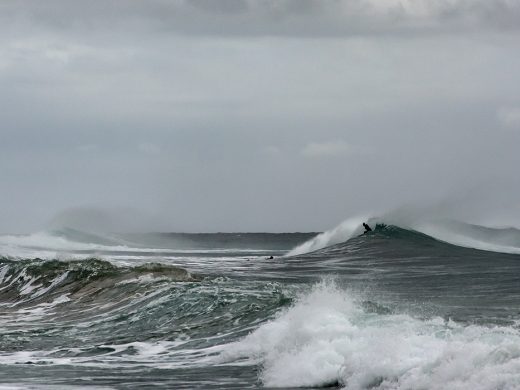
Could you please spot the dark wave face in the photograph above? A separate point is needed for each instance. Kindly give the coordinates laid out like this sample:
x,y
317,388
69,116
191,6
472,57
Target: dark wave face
x,y
390,309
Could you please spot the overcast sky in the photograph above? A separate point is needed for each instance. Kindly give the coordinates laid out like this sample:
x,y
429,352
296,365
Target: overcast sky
x,y
240,115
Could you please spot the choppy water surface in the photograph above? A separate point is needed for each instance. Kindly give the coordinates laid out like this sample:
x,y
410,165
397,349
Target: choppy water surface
x,y
392,309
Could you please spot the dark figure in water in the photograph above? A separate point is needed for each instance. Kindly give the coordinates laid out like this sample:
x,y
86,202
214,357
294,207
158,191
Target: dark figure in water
x,y
367,228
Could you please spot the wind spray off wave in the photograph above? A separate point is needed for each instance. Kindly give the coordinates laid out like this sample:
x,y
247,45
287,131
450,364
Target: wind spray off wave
x,y
340,233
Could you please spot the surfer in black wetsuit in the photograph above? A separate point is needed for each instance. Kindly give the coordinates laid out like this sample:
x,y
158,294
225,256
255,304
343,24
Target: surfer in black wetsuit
x,y
367,228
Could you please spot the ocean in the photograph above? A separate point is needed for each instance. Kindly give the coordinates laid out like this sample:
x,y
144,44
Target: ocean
x,y
429,306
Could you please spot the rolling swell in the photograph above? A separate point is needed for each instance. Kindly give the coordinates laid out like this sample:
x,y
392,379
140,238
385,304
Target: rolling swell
x,y
91,314
29,281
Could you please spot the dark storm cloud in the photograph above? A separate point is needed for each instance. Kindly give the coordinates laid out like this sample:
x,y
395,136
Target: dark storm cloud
x,y
299,18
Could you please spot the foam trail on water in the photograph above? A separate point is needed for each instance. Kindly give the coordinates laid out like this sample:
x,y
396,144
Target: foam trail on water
x,y
326,338
340,233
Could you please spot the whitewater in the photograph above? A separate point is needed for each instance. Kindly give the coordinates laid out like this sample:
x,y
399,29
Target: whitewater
x,y
416,304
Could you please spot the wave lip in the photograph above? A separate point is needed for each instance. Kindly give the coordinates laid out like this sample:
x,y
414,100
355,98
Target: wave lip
x,y
326,338
347,229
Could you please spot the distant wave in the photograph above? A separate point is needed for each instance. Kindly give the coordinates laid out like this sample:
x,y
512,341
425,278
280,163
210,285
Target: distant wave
x,y
80,236
67,243
57,240
503,240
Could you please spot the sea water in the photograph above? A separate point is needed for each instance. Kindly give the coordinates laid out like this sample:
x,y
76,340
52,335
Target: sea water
x,y
410,307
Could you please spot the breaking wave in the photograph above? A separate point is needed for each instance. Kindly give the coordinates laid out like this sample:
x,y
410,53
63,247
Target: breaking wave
x,y
327,337
347,229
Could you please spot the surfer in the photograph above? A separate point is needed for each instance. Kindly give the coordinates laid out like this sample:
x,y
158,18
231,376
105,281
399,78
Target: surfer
x,y
367,228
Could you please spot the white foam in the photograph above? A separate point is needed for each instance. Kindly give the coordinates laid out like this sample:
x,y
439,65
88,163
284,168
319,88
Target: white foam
x,y
327,338
29,287
160,354
56,281
144,279
34,313
340,233
3,272
21,276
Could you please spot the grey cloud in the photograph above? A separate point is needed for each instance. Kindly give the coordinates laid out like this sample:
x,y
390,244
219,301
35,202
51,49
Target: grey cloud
x,y
299,18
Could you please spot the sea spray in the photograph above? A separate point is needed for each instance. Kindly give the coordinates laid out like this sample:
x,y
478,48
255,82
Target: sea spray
x,y
340,233
327,337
